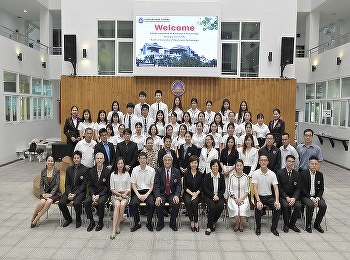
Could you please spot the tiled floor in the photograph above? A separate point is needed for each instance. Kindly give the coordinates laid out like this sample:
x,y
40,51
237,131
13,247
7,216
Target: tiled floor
x,y
50,241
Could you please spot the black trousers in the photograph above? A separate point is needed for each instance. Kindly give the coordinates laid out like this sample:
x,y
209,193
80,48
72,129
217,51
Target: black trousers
x,y
322,207
191,206
268,201
101,207
77,204
135,203
215,209
174,210
290,218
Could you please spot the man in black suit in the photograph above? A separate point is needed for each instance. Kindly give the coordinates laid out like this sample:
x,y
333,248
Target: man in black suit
x,y
75,190
107,149
289,187
128,151
272,153
167,188
166,150
98,179
312,188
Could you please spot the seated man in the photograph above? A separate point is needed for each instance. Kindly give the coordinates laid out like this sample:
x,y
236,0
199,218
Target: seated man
x,y
312,188
75,190
289,186
262,180
142,179
98,181
167,188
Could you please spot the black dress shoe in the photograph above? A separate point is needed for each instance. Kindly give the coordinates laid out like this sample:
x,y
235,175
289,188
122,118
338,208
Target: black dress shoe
x,y
173,227
207,232
91,226
99,227
308,229
285,229
197,229
149,227
318,228
67,223
78,224
135,227
295,229
275,232
159,227
258,232
193,229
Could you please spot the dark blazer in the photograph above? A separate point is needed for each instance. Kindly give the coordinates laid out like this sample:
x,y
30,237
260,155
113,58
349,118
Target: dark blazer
x,y
80,180
160,182
193,184
54,186
288,188
101,186
277,131
183,160
99,148
161,153
208,186
305,180
70,130
274,156
130,155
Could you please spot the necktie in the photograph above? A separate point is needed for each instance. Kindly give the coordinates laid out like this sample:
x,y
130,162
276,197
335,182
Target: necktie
x,y
145,126
167,183
99,174
129,122
289,174
158,107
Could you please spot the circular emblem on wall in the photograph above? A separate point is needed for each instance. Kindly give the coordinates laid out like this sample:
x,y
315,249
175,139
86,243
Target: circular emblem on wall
x,y
178,88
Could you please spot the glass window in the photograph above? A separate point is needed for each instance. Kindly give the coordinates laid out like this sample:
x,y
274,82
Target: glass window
x,y
24,82
310,91
25,108
125,57
307,111
336,112
36,86
317,112
333,90
106,57
321,90
343,106
14,108
47,87
106,29
326,105
7,108
47,108
10,80
124,29
250,31
250,59
345,88
229,58
230,31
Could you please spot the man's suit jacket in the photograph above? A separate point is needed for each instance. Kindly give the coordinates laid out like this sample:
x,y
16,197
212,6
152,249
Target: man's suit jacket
x,y
99,186
306,184
80,180
161,153
208,186
128,152
288,188
183,160
70,130
99,148
160,182
277,131
274,156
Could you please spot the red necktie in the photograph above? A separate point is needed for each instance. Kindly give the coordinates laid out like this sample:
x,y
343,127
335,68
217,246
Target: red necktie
x,y
167,183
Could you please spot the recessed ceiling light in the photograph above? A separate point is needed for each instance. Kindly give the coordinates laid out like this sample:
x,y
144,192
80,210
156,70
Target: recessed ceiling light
x,y
25,11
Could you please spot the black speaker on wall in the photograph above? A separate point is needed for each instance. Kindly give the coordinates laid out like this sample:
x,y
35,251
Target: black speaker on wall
x,y
70,47
287,50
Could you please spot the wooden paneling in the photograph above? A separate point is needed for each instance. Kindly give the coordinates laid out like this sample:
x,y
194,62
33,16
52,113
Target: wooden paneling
x,y
261,94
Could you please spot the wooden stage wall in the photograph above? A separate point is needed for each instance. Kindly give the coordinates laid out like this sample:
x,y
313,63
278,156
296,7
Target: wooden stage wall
x,y
261,94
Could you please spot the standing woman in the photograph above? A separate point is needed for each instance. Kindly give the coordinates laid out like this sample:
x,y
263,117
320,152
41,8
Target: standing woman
x,y
120,138
214,189
49,189
218,121
198,137
249,155
194,111
120,189
71,130
260,129
192,183
277,127
111,138
139,137
115,109
243,107
228,158
208,153
180,139
225,110
160,123
209,114
238,202
201,118
115,123
86,122
101,122
186,120
185,151
246,119
177,108
217,137
157,141
175,125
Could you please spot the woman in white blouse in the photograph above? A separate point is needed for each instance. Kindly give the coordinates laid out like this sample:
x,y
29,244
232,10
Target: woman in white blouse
x,y
198,137
209,114
177,108
120,189
157,141
194,111
201,118
101,122
115,109
86,123
208,153
115,122
186,120
110,135
160,123
139,138
249,155
260,129
180,139
173,122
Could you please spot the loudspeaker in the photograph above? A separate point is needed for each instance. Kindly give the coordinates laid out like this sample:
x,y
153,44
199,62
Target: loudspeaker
x,y
70,47
59,151
287,50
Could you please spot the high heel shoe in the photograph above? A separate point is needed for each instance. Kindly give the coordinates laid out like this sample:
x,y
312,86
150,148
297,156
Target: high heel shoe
x,y
197,229
112,237
192,229
118,231
32,225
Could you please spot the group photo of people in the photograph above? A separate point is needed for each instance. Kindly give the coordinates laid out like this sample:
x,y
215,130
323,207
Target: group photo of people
x,y
164,160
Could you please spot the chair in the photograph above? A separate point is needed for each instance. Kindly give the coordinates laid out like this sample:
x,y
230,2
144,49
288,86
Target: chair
x,y
252,203
303,217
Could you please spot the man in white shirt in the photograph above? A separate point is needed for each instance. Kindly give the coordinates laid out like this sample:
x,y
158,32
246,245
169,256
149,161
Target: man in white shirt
x,y
130,119
159,105
145,119
287,149
138,106
86,147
